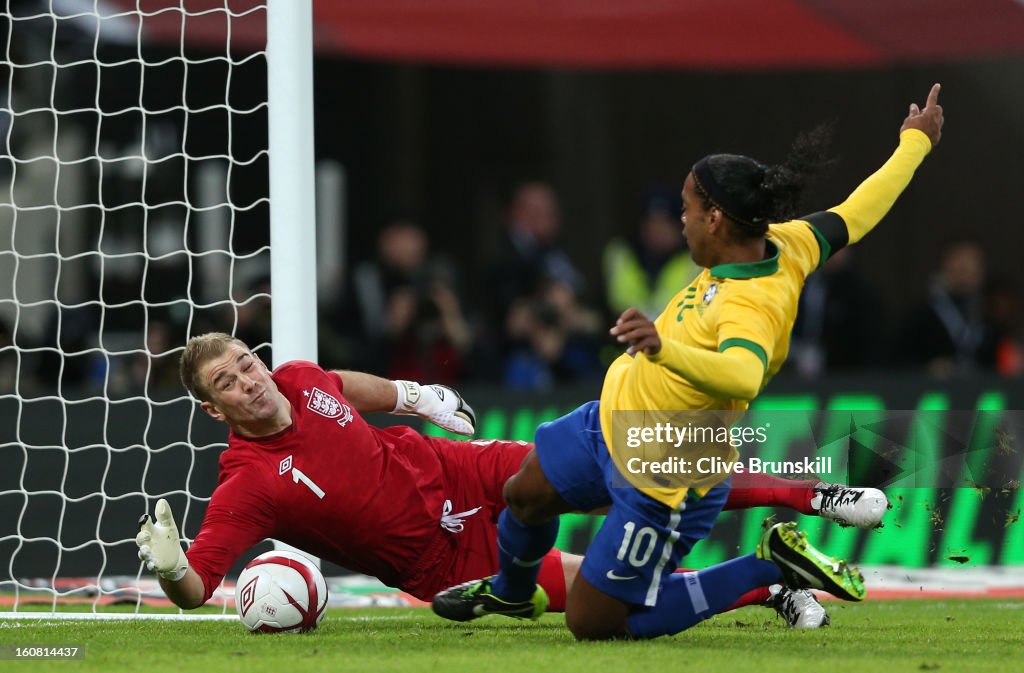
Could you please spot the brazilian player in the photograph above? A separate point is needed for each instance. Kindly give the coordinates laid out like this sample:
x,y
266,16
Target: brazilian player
x,y
714,347
303,466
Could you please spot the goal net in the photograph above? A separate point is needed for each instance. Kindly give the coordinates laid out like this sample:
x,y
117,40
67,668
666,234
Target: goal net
x,y
134,213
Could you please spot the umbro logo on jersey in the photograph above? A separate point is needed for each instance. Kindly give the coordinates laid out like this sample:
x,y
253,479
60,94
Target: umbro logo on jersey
x,y
622,578
286,465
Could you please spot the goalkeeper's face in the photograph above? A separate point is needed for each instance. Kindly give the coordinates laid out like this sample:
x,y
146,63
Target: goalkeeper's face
x,y
242,393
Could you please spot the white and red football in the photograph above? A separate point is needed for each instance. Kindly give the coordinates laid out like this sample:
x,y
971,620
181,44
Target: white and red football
x,y
281,592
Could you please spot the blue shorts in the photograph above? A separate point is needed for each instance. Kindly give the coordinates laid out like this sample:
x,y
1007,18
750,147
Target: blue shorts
x,y
641,540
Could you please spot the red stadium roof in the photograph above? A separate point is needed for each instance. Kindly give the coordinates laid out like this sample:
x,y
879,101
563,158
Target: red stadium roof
x,y
712,34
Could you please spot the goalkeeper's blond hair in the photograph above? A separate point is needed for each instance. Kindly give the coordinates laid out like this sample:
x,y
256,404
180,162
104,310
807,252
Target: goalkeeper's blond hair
x,y
198,351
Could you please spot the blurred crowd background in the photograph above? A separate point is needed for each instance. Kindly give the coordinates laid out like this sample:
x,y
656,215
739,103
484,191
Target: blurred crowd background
x,y
495,221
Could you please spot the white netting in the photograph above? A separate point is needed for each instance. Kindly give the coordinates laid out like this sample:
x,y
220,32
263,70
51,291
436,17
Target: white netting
x,y
133,214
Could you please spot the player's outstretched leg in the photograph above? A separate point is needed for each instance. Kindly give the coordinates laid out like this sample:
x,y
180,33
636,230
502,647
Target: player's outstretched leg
x,y
527,530
799,607
804,567
473,599
848,506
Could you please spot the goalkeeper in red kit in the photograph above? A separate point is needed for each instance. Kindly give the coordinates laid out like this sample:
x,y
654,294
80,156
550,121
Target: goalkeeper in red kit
x,y
419,513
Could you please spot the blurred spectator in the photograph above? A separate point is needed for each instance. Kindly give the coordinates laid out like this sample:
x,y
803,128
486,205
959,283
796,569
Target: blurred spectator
x,y
529,254
950,334
412,319
835,327
652,267
552,339
1003,310
155,371
252,317
70,339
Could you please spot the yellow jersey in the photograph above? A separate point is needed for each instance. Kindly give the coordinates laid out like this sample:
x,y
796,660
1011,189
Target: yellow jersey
x,y
748,305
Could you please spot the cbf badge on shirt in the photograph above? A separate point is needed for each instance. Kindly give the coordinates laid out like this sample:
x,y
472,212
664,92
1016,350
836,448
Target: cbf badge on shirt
x,y
709,295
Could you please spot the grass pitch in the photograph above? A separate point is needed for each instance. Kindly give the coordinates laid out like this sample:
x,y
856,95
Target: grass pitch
x,y
874,637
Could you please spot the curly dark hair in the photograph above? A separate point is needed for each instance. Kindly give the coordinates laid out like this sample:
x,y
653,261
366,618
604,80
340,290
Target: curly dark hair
x,y
758,194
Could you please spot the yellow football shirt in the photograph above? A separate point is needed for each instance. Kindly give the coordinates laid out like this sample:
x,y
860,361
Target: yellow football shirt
x,y
748,305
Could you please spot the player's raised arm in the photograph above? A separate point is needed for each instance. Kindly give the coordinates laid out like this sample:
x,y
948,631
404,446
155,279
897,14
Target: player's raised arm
x,y
870,202
439,404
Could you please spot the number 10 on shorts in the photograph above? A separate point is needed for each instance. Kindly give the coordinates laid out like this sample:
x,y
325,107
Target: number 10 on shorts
x,y
637,549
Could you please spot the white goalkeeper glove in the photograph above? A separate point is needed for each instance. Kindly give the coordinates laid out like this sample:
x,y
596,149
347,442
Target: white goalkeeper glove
x,y
438,404
160,544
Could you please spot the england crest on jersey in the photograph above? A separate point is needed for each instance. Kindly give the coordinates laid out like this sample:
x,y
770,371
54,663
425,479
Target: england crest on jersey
x,y
328,405
324,404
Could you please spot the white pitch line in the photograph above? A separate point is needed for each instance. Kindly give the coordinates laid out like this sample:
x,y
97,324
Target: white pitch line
x,y
100,616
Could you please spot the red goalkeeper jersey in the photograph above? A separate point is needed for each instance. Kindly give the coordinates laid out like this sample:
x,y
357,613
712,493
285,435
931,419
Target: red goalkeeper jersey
x,y
366,498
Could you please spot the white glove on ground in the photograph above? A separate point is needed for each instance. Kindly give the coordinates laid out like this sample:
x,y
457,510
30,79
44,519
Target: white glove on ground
x,y
160,544
438,404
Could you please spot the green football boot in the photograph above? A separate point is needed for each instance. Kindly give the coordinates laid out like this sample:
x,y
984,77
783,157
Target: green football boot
x,y
474,599
804,567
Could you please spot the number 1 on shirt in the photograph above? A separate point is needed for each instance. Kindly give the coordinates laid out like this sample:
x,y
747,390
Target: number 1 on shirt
x,y
298,475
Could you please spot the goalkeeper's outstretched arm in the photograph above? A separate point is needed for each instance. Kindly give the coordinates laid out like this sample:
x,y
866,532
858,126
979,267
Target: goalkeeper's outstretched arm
x,y
439,404
160,549
187,593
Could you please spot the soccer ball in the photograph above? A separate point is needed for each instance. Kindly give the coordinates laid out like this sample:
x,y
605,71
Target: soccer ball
x,y
281,592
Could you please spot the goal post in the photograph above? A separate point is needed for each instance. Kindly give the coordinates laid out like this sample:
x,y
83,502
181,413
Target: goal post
x,y
292,182
156,177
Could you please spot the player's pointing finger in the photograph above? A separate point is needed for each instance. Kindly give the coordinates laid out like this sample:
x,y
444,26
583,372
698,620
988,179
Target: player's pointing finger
x,y
933,95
